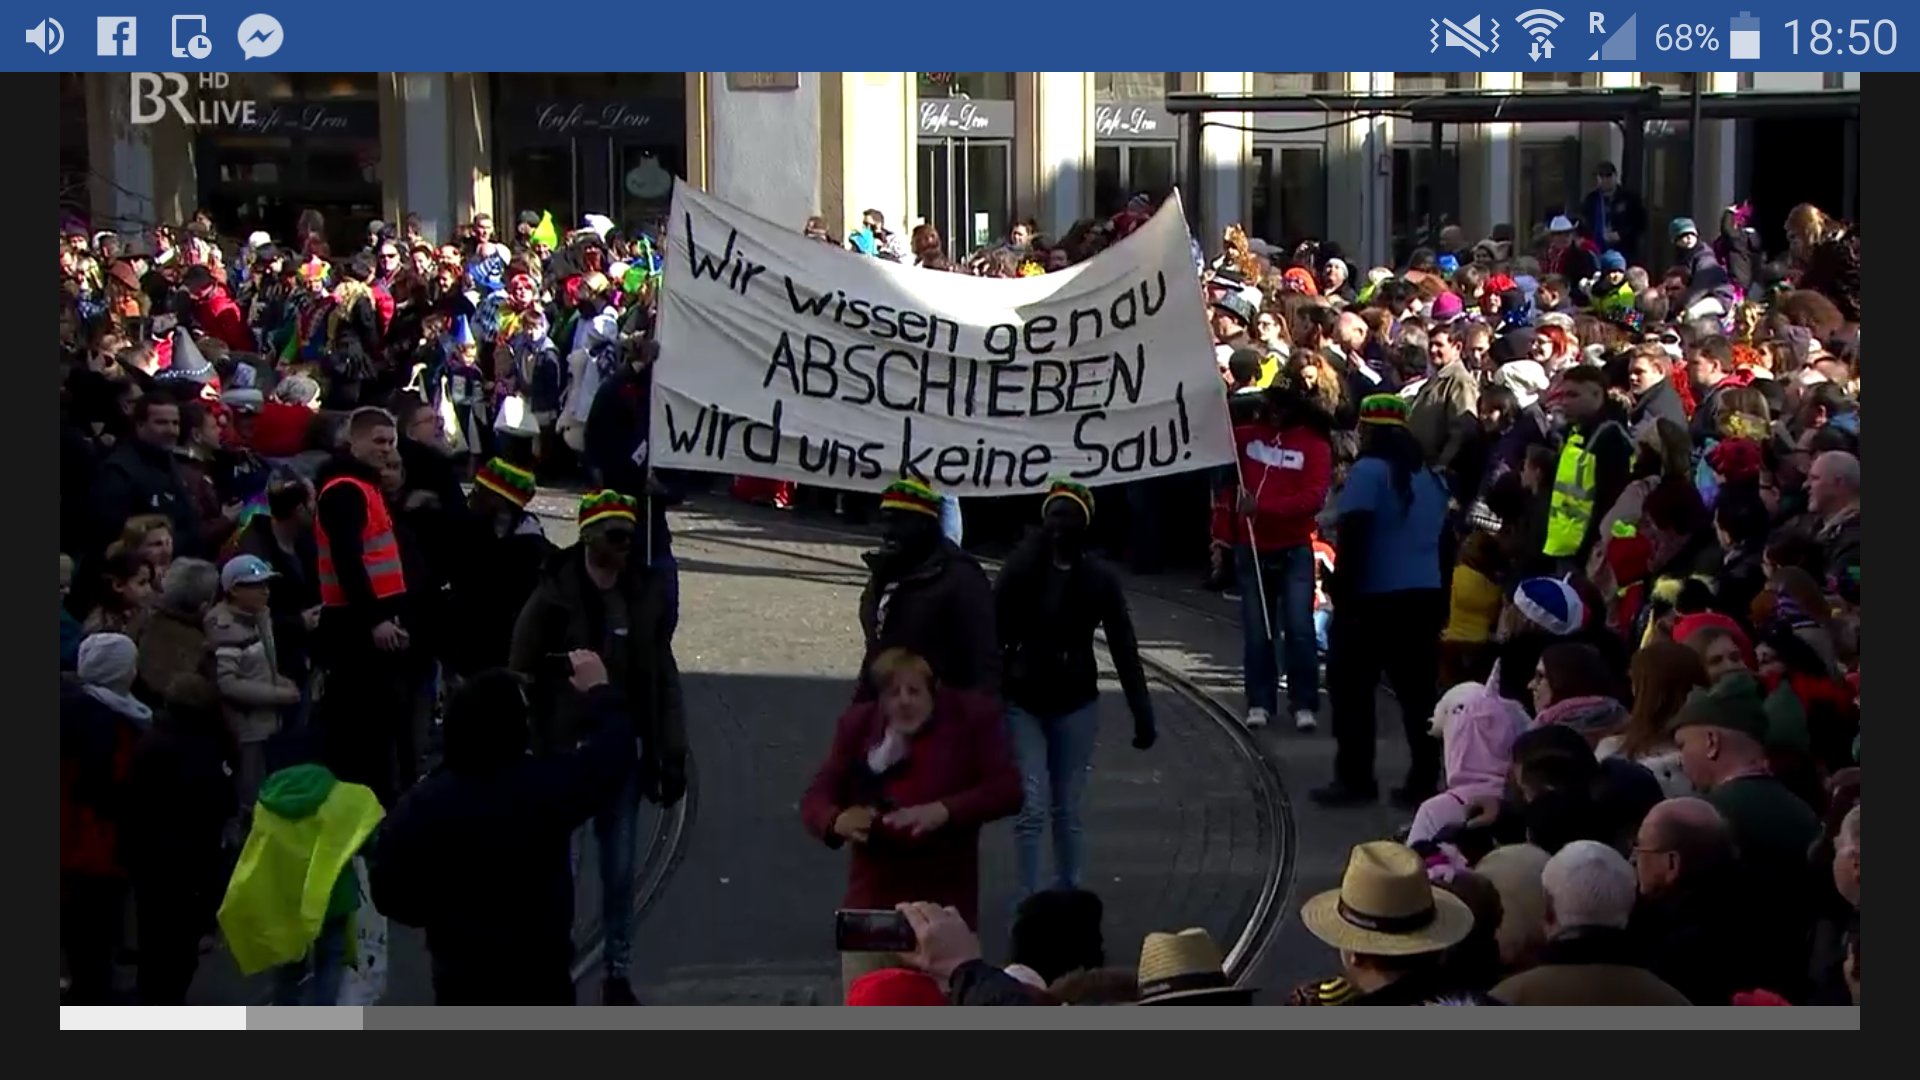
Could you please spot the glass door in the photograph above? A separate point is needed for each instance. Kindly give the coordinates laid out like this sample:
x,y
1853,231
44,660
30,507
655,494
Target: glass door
x,y
546,179
966,191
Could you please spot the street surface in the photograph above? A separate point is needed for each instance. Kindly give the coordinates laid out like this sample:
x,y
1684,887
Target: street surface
x,y
767,646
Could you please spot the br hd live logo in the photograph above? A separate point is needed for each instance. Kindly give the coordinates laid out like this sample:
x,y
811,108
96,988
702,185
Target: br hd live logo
x,y
155,94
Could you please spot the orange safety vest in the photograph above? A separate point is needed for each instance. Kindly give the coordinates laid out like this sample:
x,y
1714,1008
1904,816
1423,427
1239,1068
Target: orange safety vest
x,y
379,548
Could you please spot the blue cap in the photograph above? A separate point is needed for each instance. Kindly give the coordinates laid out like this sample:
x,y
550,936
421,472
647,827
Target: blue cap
x,y
1613,260
1683,226
1448,264
245,570
460,334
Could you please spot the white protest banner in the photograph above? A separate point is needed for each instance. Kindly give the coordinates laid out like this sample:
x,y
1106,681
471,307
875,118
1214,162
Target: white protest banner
x,y
786,358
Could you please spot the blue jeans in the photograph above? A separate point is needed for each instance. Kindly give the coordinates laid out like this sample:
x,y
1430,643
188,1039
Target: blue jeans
x,y
950,523
325,962
1053,753
1288,577
616,830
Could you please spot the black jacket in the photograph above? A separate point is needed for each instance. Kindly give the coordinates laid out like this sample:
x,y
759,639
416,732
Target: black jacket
x,y
944,611
481,861
1046,618
136,479
492,577
179,798
1660,402
1428,986
1700,940
566,612
1742,577
618,427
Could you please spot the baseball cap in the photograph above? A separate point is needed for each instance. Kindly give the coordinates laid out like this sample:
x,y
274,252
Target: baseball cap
x,y
245,570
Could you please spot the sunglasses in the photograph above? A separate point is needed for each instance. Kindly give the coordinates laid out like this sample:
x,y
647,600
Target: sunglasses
x,y
619,536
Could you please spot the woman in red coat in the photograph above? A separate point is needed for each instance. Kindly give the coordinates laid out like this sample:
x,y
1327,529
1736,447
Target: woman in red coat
x,y
911,778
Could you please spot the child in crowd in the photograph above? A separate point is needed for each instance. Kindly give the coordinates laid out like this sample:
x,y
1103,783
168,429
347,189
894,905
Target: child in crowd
x,y
1465,643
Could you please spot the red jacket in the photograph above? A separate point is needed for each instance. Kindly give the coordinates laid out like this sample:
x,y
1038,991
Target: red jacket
x,y
280,430
961,758
220,318
1288,471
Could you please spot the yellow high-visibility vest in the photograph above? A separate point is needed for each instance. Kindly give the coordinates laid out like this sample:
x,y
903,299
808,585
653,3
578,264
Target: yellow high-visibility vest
x,y
1571,508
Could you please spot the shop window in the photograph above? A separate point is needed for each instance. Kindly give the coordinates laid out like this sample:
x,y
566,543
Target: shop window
x,y
1134,85
1417,81
1122,170
1669,82
1550,182
979,85
1292,82
966,192
1289,194
1420,193
1669,161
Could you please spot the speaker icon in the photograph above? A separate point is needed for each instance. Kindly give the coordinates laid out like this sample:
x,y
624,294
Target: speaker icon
x,y
48,36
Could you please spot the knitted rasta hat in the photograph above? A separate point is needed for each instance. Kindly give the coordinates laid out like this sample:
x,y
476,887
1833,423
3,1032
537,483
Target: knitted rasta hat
x,y
600,506
512,484
1386,409
911,495
1062,488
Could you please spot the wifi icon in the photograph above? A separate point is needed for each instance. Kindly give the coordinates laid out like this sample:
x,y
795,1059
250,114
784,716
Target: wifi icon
x,y
1541,24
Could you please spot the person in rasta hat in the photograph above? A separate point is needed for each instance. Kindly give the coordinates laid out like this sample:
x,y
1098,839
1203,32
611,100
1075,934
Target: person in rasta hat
x,y
1048,601
499,562
600,595
925,594
1388,605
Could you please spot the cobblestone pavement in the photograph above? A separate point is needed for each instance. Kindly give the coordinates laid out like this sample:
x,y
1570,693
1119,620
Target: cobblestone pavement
x,y
1196,633
768,644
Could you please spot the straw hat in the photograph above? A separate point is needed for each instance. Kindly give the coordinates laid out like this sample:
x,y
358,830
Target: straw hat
x,y
1184,967
1385,906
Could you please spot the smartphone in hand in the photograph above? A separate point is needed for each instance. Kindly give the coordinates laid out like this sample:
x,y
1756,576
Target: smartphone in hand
x,y
557,666
869,930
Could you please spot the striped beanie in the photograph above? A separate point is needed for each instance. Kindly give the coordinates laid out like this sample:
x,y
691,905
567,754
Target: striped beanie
x,y
1551,605
1062,488
602,506
911,495
1387,409
510,483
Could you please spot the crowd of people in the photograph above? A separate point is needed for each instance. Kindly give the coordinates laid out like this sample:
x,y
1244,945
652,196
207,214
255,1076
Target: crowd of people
x,y
296,549
1595,525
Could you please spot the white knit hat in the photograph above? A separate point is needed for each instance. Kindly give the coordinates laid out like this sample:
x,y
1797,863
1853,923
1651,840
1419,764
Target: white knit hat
x,y
107,660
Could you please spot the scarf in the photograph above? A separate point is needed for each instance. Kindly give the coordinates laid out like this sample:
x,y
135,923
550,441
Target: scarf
x,y
889,752
1586,715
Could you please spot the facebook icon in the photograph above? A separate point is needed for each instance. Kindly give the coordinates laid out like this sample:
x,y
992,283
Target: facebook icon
x,y
116,35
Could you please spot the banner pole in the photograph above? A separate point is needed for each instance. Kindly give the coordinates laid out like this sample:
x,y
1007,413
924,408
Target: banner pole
x,y
1253,544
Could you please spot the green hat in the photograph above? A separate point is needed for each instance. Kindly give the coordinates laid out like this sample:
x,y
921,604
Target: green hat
x,y
599,506
1384,409
911,495
513,484
1062,488
1735,703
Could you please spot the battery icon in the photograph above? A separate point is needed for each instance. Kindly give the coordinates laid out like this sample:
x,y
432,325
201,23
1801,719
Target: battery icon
x,y
1743,37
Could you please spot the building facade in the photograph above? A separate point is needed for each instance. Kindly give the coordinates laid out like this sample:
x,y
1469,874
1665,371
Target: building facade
x,y
968,152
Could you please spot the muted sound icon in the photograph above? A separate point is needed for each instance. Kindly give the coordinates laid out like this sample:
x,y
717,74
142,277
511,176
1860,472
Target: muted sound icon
x,y
1465,35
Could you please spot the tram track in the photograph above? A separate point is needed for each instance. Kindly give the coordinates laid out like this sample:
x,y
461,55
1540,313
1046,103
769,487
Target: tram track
x,y
1273,807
